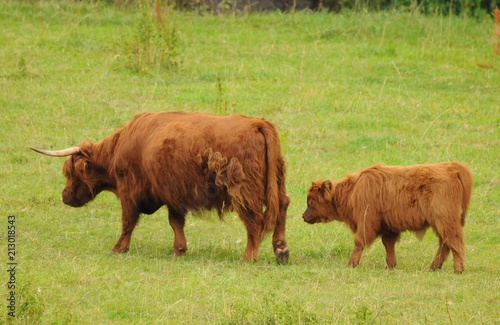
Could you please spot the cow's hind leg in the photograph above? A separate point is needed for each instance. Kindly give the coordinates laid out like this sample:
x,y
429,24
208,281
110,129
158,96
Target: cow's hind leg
x,y
279,238
253,221
441,255
389,241
177,220
130,216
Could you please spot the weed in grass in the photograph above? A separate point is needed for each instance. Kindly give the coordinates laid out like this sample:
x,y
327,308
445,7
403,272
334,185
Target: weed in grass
x,y
496,34
23,70
30,304
363,315
268,308
496,14
222,105
155,42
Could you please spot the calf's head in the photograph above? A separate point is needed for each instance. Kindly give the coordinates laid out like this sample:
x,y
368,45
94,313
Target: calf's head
x,y
84,179
319,202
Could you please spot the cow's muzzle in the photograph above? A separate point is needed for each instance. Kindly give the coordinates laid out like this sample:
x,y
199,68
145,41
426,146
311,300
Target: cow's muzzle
x,y
69,199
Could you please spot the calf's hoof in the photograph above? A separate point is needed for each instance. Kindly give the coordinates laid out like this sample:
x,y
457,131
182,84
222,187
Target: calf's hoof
x,y
352,264
390,266
282,255
459,269
435,267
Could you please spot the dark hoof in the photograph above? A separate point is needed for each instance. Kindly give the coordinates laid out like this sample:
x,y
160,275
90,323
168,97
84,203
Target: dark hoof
x,y
282,256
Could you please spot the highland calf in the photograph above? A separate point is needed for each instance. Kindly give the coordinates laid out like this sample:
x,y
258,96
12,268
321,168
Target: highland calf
x,y
387,200
188,162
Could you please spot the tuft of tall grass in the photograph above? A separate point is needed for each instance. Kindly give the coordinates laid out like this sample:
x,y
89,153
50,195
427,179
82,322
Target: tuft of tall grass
x,y
222,105
155,40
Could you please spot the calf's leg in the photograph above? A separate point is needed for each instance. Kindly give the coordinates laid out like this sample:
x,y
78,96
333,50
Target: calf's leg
x,y
457,247
176,220
362,238
441,255
389,241
451,237
279,238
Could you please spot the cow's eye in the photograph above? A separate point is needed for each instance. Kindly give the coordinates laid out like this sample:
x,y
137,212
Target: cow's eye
x,y
311,202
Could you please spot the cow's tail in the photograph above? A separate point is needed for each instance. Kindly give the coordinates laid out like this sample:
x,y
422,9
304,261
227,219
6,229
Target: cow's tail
x,y
273,153
466,181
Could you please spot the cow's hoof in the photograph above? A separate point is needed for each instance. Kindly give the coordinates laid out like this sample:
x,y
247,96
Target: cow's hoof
x,y
113,252
245,259
282,255
180,251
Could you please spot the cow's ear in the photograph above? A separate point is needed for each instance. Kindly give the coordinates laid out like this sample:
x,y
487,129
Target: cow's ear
x,y
327,185
80,165
86,149
87,165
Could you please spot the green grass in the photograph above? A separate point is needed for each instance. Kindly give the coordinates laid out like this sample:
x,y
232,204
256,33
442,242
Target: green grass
x,y
346,91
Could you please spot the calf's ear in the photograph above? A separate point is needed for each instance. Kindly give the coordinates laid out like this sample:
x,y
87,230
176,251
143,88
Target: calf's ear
x,y
327,185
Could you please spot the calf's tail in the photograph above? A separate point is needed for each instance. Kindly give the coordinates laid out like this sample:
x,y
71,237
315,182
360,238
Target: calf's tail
x,y
466,180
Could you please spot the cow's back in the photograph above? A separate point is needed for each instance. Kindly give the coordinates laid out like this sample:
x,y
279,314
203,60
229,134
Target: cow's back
x,y
166,148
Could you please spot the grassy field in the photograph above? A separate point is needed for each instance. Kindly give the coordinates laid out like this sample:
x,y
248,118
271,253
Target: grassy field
x,y
346,91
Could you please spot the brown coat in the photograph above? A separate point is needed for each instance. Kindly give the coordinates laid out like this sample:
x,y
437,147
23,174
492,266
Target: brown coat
x,y
387,200
188,162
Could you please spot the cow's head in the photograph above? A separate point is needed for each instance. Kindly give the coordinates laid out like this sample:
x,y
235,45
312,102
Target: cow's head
x,y
319,202
84,178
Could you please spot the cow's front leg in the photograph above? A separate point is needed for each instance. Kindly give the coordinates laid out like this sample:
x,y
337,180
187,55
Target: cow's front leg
x,y
130,216
177,221
389,241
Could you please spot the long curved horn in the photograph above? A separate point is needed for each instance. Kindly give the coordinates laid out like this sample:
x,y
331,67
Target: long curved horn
x,y
58,153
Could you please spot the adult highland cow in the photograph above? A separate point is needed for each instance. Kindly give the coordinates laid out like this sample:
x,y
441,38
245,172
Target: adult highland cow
x,y
387,200
188,162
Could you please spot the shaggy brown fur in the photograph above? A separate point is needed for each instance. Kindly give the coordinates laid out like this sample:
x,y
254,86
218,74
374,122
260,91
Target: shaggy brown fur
x,y
188,162
387,200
